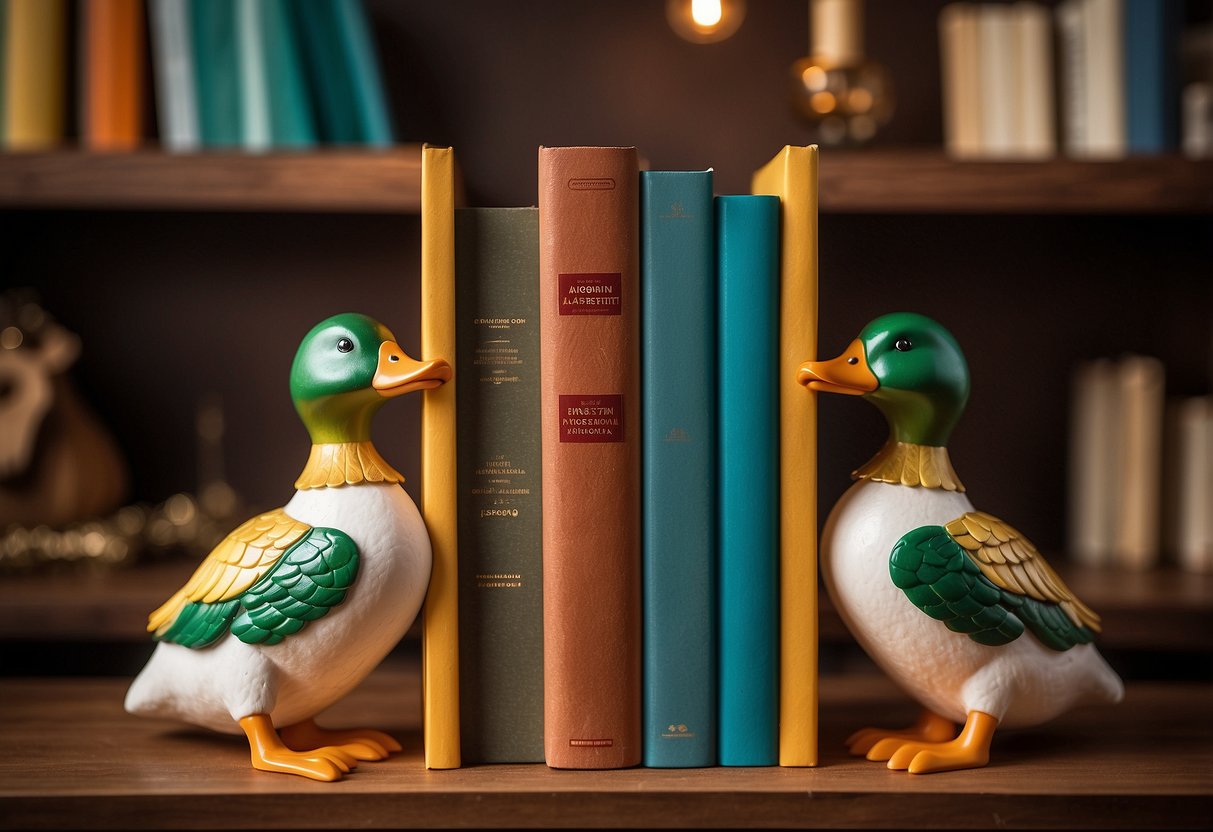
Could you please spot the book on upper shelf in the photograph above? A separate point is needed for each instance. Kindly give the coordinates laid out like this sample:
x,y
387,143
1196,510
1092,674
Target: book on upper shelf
x,y
214,40
678,338
500,526
173,75
342,67
439,503
111,74
1152,40
34,76
590,371
749,509
792,176
275,108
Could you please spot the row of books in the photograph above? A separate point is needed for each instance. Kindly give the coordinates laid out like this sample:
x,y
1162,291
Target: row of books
x,y
1141,468
625,562
1095,78
236,74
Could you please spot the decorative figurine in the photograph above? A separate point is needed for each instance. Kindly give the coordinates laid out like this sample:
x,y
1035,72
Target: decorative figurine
x,y
295,607
938,594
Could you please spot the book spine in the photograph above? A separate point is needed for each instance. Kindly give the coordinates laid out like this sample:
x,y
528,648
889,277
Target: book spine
x,y
1151,76
318,23
1194,542
362,67
1033,44
1105,77
589,312
500,504
112,95
678,337
173,75
440,615
792,176
1137,536
217,71
996,31
1092,460
748,272
251,34
34,75
292,124
1072,73
960,68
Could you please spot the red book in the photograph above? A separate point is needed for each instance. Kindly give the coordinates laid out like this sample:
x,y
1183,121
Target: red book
x,y
590,405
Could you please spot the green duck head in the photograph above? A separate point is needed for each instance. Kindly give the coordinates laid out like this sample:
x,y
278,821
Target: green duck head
x,y
344,371
910,367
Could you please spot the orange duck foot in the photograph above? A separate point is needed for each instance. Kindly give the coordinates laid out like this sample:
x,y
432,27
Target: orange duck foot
x,y
359,743
971,749
269,753
930,727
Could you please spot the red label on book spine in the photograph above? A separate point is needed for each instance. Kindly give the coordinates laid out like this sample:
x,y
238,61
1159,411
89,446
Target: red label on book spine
x,y
591,294
591,418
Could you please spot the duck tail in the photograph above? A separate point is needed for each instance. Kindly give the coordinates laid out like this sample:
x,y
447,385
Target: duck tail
x,y
1106,684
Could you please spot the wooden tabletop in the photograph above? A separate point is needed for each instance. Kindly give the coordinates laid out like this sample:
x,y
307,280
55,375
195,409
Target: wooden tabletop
x,y
70,757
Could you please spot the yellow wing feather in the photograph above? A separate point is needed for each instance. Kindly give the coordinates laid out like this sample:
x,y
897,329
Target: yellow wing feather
x,y
1012,563
234,565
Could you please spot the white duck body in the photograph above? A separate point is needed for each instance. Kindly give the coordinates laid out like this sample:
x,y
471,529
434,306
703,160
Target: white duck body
x,y
308,671
1020,684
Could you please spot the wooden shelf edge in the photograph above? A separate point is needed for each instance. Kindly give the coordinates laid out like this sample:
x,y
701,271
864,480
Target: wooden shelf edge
x,y
929,181
338,180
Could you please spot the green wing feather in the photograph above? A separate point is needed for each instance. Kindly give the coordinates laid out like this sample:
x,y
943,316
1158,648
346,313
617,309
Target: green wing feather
x,y
950,576
309,580
306,581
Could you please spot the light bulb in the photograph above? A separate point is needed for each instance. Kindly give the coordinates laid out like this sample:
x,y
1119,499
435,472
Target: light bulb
x,y
705,21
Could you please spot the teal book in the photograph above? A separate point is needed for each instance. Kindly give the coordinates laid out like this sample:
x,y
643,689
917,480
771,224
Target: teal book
x,y
499,503
213,29
291,121
747,229
342,69
678,401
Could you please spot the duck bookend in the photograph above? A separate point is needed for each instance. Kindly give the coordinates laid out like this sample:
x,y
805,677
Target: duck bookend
x,y
954,604
296,606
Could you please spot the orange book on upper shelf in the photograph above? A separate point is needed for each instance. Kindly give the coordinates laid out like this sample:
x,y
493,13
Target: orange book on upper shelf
x,y
112,78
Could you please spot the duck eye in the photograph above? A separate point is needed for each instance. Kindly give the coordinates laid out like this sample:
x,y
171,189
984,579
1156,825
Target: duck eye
x,y
345,345
902,345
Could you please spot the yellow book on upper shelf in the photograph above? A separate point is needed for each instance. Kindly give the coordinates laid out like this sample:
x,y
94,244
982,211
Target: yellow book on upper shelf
x,y
792,176
440,616
32,71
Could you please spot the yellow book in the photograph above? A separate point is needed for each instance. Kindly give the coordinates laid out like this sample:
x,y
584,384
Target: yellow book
x,y
792,176
33,74
440,615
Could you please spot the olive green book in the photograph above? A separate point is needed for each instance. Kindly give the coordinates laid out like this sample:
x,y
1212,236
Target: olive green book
x,y
499,504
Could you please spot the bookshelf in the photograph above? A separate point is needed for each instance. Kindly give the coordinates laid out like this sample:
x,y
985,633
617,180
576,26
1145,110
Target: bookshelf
x,y
344,181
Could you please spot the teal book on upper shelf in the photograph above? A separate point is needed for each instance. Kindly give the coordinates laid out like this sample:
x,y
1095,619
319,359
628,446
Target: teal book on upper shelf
x,y
214,34
678,376
747,229
342,67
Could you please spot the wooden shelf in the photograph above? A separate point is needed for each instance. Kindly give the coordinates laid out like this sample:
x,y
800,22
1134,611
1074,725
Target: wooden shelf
x,y
927,181
332,181
71,758
1158,609
885,181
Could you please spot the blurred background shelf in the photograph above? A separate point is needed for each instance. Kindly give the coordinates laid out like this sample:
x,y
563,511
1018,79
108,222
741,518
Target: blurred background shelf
x,y
361,181
389,181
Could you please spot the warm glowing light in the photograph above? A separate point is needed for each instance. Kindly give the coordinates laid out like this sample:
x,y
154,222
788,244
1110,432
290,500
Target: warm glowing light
x,y
706,13
823,102
860,100
814,78
705,21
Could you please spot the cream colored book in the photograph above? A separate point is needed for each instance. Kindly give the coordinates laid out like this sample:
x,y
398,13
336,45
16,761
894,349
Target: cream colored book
x,y
792,176
1103,21
1032,41
1137,538
440,615
1093,449
1194,545
960,67
996,40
